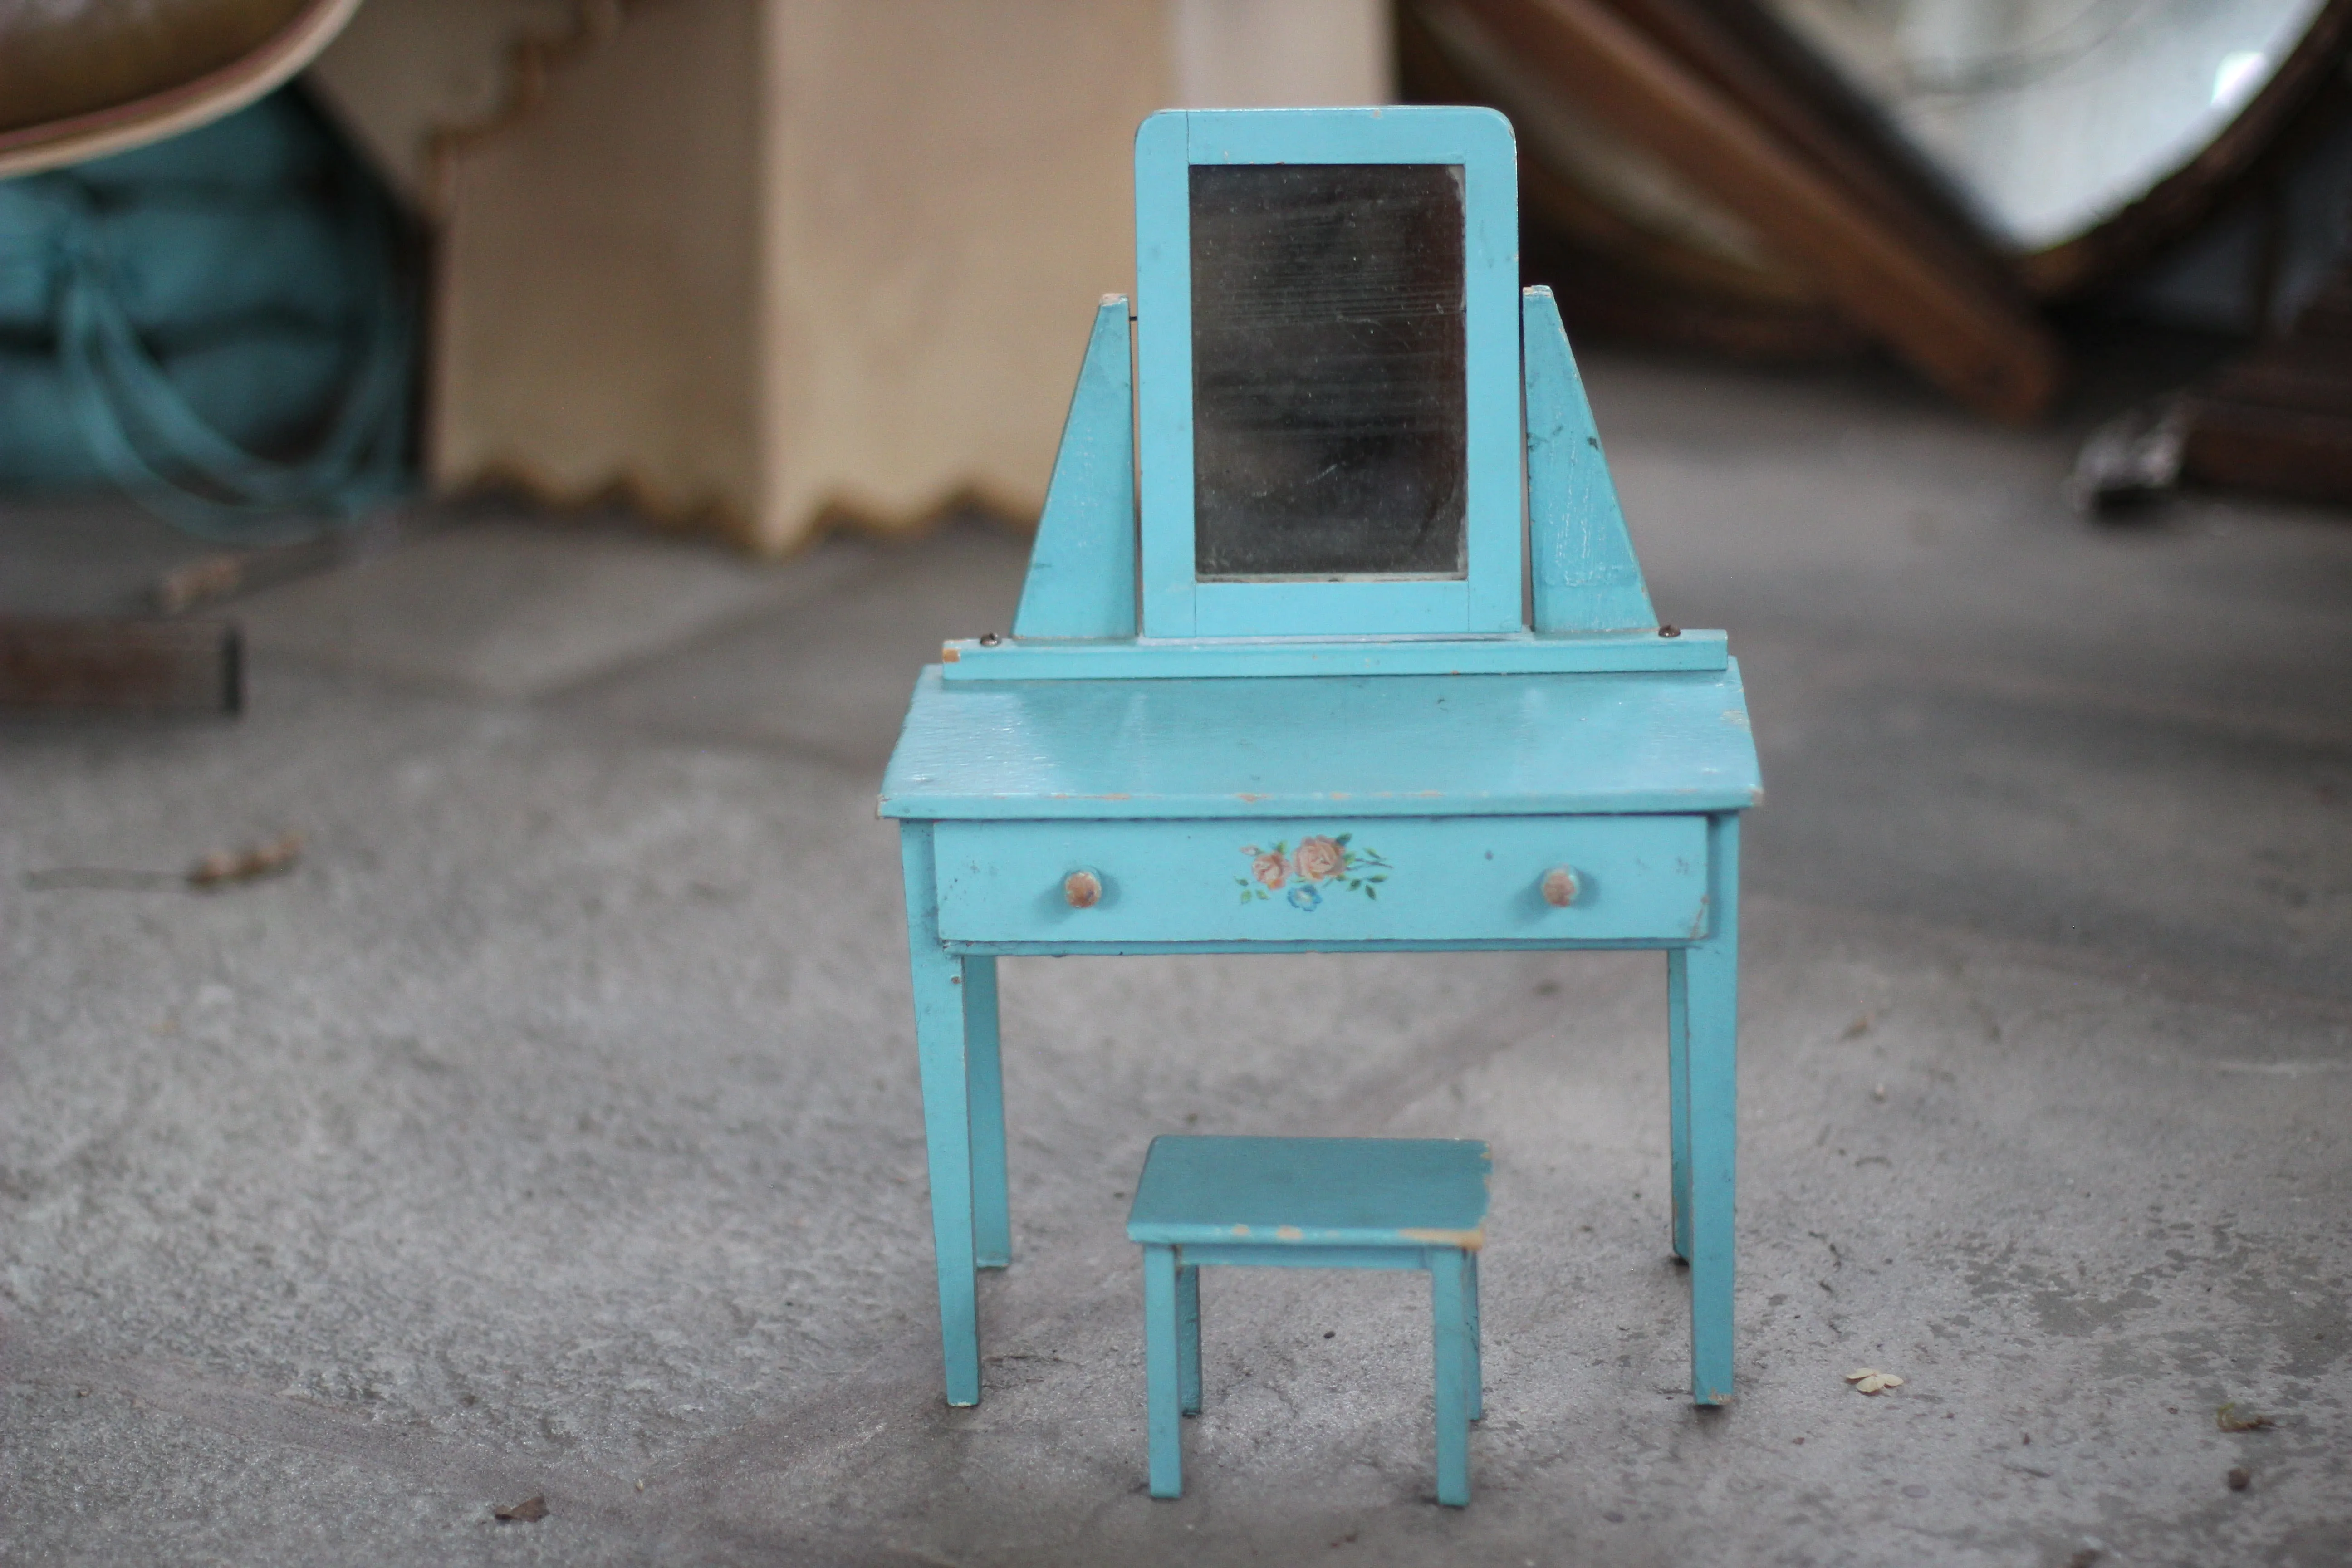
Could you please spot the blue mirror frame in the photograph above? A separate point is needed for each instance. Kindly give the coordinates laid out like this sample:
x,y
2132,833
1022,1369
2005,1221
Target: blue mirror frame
x,y
1487,600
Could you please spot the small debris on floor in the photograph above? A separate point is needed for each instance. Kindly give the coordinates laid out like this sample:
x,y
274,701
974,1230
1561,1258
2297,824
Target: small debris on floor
x,y
529,1511
2241,1478
1870,1380
2228,1419
2085,1558
1861,1026
223,869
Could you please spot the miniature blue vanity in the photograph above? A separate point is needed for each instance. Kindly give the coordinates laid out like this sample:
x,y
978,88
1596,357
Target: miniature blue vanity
x,y
1309,661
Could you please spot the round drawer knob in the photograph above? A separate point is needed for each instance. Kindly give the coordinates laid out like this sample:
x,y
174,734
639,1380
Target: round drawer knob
x,y
1083,889
1560,886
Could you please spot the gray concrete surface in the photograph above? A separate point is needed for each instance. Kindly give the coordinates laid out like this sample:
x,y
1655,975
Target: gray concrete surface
x,y
552,1128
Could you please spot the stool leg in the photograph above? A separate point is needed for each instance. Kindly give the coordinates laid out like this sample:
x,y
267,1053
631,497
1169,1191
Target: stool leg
x,y
1447,1280
1678,1092
1163,1398
991,1218
1188,1337
1478,1366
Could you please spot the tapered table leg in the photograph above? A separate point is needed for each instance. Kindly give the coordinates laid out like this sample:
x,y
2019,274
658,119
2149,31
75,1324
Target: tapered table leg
x,y
992,1209
939,1045
1678,1092
1710,971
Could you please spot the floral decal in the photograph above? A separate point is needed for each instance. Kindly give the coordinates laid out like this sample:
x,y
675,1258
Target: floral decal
x,y
1319,865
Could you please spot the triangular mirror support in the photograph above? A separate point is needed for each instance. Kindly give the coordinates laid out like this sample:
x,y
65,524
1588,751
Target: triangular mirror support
x,y
1077,615
1082,569
1587,578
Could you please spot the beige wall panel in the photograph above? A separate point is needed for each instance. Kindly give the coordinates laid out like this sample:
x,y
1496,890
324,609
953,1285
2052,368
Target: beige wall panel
x,y
405,71
777,261
1250,54
948,190
599,277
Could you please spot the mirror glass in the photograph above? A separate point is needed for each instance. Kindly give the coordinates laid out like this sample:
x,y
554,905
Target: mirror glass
x,y
2053,115
1330,402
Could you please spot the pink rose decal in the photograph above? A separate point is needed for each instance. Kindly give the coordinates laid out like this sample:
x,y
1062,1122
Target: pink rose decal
x,y
1323,864
1319,859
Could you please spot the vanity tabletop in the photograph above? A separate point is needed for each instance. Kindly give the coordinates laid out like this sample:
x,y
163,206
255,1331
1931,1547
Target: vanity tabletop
x,y
1397,745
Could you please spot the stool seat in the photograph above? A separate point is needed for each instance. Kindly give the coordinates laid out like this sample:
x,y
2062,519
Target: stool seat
x,y
1315,1203
1317,1192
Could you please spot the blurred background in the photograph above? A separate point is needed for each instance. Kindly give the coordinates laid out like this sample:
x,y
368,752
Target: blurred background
x,y
745,265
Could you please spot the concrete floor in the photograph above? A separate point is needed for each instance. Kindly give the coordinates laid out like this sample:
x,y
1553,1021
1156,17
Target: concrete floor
x,y
553,1129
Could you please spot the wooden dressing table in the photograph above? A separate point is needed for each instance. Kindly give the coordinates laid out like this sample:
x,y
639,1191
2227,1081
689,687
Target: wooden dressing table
x,y
1321,667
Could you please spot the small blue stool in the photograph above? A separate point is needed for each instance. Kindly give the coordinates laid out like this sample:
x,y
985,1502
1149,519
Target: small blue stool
x,y
1309,1203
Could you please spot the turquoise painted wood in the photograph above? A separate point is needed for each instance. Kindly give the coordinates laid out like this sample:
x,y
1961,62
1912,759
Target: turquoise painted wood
x,y
945,1063
1336,880
1104,782
1081,580
1592,610
1477,139
1312,1192
1587,578
991,1222
955,1026
1359,746
1581,653
1309,1203
1708,1082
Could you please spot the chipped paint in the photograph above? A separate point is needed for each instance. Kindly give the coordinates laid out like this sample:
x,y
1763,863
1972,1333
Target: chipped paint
x,y
948,653
1467,1240
1289,1233
1698,924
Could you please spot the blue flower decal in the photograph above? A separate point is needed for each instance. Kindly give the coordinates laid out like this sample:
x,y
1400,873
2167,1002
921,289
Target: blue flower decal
x,y
1305,896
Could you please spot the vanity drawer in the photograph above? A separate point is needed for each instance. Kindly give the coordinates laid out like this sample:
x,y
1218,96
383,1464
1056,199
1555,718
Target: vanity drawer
x,y
1334,879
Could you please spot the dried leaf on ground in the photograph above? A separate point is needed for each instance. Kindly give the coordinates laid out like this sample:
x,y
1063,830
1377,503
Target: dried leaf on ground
x,y
1870,1380
223,869
529,1511
2228,1419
